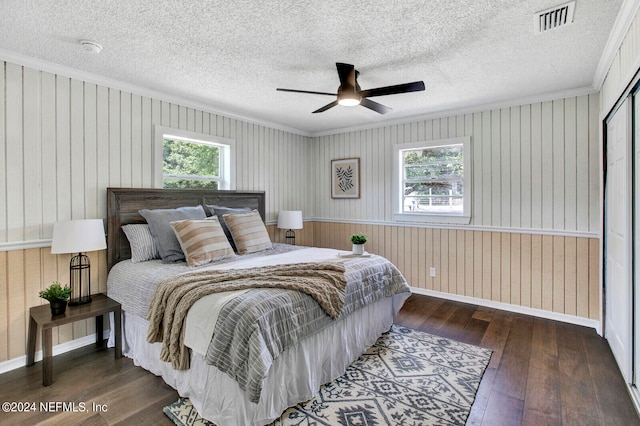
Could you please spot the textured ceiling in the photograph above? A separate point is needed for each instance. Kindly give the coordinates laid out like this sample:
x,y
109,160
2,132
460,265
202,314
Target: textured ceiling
x,y
232,55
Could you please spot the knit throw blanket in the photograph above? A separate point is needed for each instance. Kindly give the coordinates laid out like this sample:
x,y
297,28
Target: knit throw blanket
x,y
325,282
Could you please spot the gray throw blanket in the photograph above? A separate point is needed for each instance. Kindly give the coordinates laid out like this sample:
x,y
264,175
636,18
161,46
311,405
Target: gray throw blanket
x,y
325,282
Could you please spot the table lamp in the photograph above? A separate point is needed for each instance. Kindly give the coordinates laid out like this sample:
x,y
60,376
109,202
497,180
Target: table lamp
x,y
78,236
290,220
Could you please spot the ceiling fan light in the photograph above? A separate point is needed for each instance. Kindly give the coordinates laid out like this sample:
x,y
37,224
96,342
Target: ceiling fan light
x,y
349,102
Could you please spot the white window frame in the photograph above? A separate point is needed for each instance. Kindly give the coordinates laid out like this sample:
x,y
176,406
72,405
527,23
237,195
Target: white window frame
x,y
227,153
462,218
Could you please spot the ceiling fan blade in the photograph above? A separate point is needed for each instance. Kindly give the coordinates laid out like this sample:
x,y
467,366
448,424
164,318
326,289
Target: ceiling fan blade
x,y
346,73
375,106
326,107
306,91
416,86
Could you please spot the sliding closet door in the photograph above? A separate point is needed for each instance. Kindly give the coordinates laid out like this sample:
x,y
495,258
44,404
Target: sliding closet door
x,y
618,240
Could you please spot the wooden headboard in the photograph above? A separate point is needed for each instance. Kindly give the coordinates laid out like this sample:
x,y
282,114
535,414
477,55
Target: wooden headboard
x,y
123,205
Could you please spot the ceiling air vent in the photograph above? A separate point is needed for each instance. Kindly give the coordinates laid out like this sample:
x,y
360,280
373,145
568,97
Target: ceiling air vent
x,y
555,17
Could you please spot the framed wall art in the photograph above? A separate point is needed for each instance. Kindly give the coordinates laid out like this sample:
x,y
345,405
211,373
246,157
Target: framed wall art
x,y
345,178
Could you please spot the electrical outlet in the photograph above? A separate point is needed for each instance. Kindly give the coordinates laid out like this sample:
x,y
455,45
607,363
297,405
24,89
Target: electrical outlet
x,y
432,272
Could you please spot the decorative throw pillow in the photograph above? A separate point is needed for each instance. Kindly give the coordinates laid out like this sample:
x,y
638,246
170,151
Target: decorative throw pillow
x,y
143,247
202,240
248,232
163,235
220,211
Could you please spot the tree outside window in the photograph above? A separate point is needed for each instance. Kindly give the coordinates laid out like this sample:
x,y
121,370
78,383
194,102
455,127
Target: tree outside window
x,y
190,164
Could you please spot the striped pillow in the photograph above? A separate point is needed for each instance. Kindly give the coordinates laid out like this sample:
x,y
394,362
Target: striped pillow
x,y
143,247
202,240
248,232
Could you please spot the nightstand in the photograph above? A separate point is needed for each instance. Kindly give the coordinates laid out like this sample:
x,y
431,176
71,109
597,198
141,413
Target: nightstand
x,y
40,316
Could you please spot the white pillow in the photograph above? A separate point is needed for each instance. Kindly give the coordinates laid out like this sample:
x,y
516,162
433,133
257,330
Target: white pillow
x,y
143,247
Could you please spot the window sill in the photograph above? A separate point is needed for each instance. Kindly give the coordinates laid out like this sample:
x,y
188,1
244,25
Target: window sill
x,y
431,218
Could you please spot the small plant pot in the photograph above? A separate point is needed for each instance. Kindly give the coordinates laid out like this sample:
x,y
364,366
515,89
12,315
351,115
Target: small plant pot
x,y
58,308
357,249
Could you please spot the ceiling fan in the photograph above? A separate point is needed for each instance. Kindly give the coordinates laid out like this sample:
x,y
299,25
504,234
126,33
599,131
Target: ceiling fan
x,y
350,93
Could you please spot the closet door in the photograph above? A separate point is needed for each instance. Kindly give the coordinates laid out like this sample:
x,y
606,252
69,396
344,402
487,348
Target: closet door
x,y
618,240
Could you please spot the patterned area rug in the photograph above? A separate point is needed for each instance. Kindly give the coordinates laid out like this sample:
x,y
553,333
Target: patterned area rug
x,y
406,378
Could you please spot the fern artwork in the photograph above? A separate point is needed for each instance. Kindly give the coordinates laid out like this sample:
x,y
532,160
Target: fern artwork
x,y
345,178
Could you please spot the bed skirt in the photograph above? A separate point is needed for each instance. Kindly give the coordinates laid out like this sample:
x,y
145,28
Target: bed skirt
x,y
295,375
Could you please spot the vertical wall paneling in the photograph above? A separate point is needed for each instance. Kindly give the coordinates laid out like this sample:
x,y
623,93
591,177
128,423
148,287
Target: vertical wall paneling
x,y
125,140
558,164
506,203
32,153
514,135
91,194
14,149
548,176
582,157
136,141
487,194
570,166
48,153
76,123
114,139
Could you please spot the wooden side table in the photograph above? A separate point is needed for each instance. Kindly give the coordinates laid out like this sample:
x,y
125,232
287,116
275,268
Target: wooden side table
x,y
40,316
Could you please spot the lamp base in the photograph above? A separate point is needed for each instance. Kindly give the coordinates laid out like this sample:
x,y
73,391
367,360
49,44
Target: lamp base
x,y
79,301
290,237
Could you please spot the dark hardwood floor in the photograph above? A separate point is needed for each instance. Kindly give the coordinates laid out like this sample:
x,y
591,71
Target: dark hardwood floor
x,y
542,372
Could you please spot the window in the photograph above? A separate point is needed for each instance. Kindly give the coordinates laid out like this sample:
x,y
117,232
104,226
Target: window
x,y
432,181
191,160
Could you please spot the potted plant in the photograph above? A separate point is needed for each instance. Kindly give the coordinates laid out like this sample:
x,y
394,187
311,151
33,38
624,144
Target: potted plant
x,y
358,241
57,297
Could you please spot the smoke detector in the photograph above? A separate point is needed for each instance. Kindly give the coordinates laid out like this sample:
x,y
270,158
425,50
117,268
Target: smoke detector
x,y
554,17
91,46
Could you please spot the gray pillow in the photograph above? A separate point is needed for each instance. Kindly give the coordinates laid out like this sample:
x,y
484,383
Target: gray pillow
x,y
143,246
220,211
162,232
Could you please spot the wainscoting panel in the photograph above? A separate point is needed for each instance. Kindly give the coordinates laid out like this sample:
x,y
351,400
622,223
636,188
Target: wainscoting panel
x,y
549,272
554,273
24,274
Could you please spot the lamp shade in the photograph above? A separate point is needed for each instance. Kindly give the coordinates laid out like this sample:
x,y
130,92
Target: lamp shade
x,y
290,219
77,236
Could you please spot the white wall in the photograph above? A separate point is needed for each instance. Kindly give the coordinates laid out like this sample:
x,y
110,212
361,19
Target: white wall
x,y
535,167
64,141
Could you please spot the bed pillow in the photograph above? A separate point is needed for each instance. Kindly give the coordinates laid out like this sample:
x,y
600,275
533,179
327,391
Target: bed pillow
x,y
248,232
163,235
143,247
202,240
220,211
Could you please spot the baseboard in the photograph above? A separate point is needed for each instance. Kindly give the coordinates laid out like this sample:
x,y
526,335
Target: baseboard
x,y
15,363
571,319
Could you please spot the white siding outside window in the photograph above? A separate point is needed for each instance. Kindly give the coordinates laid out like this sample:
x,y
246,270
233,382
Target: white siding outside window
x,y
432,181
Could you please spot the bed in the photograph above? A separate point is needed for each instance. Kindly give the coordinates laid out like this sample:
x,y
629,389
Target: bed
x,y
297,370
